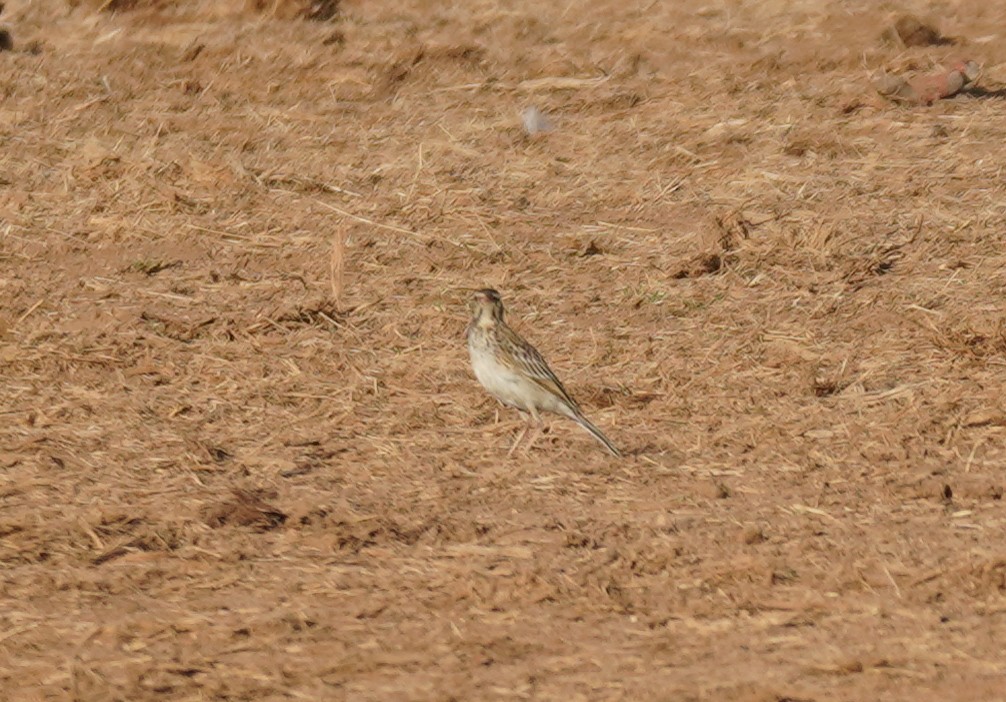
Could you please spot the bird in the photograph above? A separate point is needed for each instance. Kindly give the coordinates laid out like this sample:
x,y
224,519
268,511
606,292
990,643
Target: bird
x,y
516,374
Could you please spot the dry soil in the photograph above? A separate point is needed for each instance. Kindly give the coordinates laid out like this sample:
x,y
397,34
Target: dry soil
x,y
230,472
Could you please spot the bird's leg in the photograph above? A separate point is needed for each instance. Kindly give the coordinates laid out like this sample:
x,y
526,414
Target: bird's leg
x,y
535,430
520,437
518,441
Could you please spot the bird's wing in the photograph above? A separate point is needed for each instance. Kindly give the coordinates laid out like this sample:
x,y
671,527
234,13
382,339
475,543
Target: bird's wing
x,y
533,364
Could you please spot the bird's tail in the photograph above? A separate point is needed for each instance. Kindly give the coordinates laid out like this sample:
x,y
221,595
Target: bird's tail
x,y
597,434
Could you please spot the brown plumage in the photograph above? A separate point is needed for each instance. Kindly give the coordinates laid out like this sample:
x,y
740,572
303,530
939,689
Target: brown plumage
x,y
516,374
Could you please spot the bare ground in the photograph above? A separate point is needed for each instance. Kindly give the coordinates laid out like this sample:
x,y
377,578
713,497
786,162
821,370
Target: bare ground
x,y
781,295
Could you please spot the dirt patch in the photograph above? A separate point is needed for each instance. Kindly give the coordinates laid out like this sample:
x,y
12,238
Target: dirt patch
x,y
242,455
246,509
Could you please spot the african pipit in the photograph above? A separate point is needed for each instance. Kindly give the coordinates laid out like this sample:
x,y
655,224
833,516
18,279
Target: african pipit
x,y
516,374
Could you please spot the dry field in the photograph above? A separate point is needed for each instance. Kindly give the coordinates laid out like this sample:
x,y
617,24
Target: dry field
x,y
229,471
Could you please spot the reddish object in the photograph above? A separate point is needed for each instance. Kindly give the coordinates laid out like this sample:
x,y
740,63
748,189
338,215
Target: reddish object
x,y
925,90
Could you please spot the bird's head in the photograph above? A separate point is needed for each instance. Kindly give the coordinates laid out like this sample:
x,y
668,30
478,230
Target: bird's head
x,y
486,306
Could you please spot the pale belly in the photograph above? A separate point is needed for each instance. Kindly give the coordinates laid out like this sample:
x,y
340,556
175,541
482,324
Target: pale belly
x,y
511,388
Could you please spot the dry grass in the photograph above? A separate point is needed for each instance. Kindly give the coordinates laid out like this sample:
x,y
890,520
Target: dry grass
x,y
241,453
338,265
